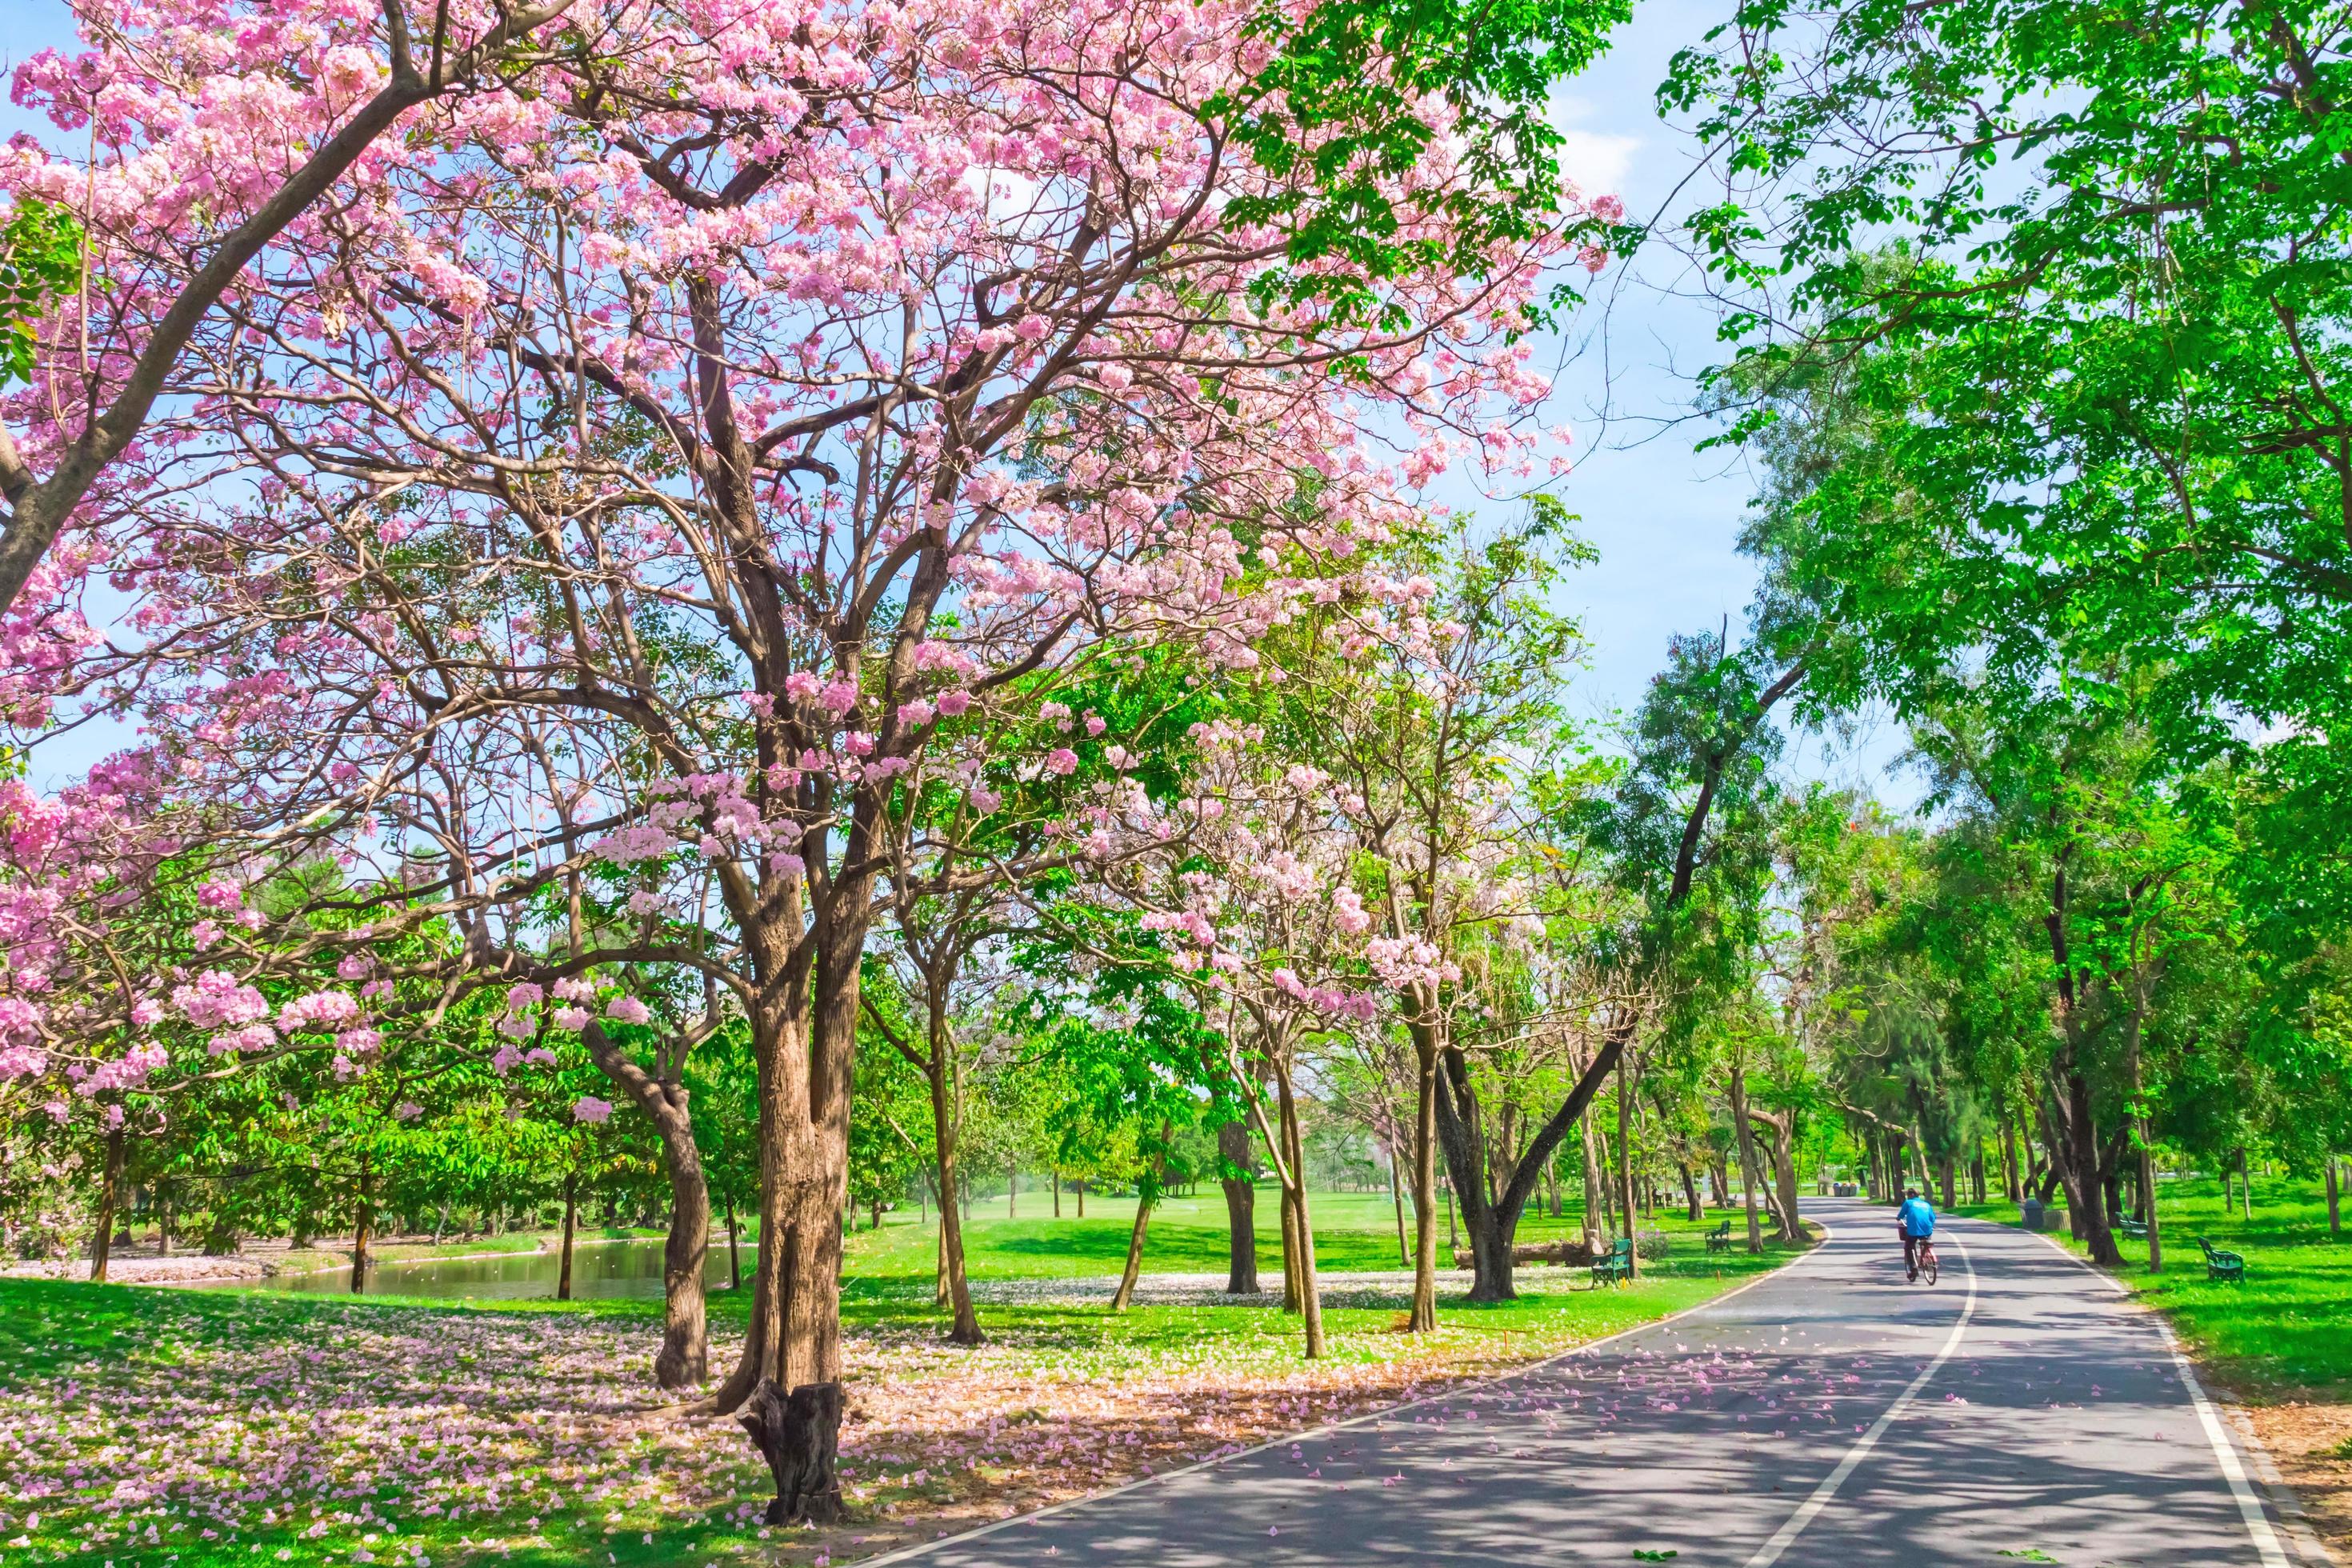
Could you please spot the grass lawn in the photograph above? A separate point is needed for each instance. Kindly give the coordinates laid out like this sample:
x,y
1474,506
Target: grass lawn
x,y
1354,1232
152,1427
2286,1332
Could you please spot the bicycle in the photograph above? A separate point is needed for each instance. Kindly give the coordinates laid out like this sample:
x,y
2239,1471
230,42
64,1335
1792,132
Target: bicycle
x,y
1926,1260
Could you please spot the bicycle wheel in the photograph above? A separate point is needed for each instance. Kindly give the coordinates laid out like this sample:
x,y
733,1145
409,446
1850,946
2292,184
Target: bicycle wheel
x,y
1928,1266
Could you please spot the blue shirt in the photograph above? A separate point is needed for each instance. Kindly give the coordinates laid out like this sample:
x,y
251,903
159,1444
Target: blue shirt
x,y
1916,1217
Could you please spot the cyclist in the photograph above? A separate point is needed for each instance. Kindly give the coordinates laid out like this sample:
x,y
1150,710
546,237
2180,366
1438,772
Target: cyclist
x,y
1916,1222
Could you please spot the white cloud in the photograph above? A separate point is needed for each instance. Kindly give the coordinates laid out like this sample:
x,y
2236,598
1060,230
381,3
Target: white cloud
x,y
1596,161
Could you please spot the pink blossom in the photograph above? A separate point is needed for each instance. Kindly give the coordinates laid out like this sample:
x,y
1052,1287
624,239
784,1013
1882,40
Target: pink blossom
x,y
588,1107
216,998
627,1010
317,1008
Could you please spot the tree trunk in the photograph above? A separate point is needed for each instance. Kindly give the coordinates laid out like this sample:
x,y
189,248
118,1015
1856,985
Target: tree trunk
x,y
365,1215
1596,1191
101,1242
1292,1301
2012,1184
947,1124
163,1218
1695,1210
1147,1193
2090,1200
1494,1190
1012,1189
734,1248
1461,1138
2245,1185
2074,1156
964,1323
1057,1192
1080,1187
2334,1218
1625,1159
1784,1168
1396,1201
803,1032
1945,1175
1128,1276
571,1215
1424,1318
1240,1210
684,1359
1310,1299
2138,1122
1747,1140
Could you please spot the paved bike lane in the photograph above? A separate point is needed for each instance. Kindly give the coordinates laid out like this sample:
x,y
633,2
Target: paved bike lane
x,y
1828,1414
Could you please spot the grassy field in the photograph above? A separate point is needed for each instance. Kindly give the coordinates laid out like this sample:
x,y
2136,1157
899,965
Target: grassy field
x,y
2287,1330
148,1426
1353,1232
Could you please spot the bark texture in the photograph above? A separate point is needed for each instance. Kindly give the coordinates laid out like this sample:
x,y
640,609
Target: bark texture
x,y
1241,1211
798,1434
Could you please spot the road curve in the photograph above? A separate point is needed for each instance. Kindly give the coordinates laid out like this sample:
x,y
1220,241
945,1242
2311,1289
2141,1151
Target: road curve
x,y
1829,1413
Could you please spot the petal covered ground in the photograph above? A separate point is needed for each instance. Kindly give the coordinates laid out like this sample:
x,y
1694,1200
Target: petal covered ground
x,y
219,1428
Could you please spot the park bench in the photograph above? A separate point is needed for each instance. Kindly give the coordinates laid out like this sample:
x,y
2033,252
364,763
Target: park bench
x,y
1618,1267
2222,1263
2133,1230
1719,1239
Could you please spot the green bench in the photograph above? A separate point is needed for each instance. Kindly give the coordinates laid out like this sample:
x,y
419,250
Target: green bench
x,y
1617,1266
2222,1264
2132,1229
1719,1239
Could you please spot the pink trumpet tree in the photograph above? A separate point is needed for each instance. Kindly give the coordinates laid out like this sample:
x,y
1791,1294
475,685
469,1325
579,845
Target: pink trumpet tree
x,y
206,146
619,504
1247,883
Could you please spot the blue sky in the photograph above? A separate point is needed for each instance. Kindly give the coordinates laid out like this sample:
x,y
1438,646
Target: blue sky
x,y
1664,516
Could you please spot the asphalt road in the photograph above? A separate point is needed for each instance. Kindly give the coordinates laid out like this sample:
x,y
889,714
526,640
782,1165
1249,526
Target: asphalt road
x,y
1828,1414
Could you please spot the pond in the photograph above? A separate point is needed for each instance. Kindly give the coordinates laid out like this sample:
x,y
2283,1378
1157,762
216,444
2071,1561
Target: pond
x,y
599,1268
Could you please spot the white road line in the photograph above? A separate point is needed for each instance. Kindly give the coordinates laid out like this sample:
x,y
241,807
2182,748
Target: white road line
x,y
2250,1507
1769,1552
940,1543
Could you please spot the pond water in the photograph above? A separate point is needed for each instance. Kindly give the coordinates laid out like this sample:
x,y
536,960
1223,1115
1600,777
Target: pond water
x,y
600,1269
